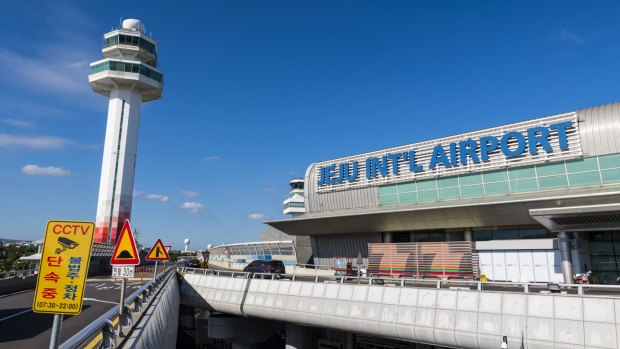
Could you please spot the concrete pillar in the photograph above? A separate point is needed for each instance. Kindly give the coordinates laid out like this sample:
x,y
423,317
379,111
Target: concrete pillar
x,y
300,337
349,341
468,235
387,237
565,257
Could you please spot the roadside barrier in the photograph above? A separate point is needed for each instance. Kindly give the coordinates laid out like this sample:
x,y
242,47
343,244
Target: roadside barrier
x,y
104,332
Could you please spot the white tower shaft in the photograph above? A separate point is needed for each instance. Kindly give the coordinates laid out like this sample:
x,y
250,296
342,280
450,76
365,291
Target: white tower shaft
x,y
119,162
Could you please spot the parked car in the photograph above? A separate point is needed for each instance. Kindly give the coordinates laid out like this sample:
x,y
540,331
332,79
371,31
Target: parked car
x,y
194,263
260,266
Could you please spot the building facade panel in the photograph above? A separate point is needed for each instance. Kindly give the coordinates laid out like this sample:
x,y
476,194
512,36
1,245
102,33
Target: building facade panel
x,y
599,128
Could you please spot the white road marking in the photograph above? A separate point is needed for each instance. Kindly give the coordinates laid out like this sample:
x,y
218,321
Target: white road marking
x,y
98,300
14,315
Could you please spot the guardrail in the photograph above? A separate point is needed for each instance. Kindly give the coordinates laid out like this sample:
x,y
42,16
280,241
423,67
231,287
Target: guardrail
x,y
312,266
17,273
525,287
104,332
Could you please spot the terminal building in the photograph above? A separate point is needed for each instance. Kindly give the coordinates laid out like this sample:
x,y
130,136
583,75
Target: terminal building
x,y
540,199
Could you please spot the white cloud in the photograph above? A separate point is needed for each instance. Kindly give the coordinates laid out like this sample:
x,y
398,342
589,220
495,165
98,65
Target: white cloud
x,y
56,64
257,216
212,158
160,197
193,206
34,142
20,107
190,193
19,123
46,171
567,36
137,193
52,75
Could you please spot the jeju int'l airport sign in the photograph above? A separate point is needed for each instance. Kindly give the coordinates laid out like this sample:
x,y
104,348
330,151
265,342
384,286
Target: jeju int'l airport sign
x,y
535,141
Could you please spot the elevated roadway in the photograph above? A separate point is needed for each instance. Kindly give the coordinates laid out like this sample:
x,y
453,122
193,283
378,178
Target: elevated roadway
x,y
447,314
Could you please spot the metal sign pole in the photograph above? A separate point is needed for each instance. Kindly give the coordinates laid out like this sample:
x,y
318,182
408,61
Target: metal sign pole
x,y
56,331
121,308
155,272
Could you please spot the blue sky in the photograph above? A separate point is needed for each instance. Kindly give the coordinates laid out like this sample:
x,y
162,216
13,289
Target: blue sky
x,y
256,91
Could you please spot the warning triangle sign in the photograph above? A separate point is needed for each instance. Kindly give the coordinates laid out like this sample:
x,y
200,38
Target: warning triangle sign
x,y
158,252
125,252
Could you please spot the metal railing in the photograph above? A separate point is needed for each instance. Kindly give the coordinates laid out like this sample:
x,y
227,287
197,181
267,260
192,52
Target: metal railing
x,y
312,266
17,273
106,329
506,286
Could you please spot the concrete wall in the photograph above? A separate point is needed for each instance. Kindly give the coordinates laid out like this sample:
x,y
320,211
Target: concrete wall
x,y
158,326
17,284
454,318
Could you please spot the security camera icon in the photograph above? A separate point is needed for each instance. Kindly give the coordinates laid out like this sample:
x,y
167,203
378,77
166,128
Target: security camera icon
x,y
66,244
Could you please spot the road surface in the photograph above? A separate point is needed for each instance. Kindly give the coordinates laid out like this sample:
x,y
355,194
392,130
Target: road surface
x,y
21,328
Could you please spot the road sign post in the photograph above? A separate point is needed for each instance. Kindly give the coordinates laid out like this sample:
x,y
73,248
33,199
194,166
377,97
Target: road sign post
x,y
168,248
125,254
56,331
61,280
157,253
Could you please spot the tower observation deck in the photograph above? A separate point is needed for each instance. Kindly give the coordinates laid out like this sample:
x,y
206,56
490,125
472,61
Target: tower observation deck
x,y
128,76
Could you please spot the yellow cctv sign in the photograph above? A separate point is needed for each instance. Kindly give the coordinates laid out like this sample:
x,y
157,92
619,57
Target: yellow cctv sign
x,y
64,267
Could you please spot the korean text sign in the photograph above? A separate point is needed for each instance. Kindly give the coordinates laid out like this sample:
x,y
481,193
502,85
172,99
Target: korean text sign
x,y
64,266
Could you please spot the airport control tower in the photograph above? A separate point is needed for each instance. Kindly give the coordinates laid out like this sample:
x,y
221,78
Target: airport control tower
x,y
128,75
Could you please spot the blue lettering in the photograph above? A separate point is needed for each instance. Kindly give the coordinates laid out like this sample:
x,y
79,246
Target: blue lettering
x,y
329,174
487,145
561,128
394,161
468,148
377,164
536,136
439,154
454,158
412,164
369,172
520,144
322,175
341,171
345,173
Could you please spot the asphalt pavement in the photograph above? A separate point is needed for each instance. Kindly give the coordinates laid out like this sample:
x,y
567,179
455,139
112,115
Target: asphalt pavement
x,y
22,328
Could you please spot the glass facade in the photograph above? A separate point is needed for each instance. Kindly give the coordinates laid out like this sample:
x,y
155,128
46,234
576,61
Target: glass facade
x,y
592,171
605,256
131,40
513,234
245,253
140,68
479,235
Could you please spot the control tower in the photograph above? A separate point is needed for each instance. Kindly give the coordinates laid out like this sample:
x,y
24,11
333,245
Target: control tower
x,y
128,75
295,203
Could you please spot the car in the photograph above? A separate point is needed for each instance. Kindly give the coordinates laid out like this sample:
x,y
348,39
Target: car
x,y
193,263
261,266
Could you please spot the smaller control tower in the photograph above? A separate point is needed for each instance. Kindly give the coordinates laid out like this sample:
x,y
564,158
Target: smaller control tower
x,y
295,204
128,76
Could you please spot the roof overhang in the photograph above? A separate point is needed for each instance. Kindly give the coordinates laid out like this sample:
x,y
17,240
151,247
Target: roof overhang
x,y
458,214
579,218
